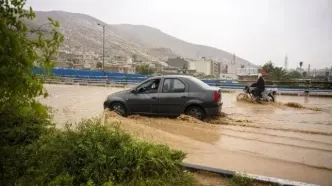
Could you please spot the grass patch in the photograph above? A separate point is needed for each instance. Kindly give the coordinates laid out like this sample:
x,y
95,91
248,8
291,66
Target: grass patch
x,y
93,154
243,180
240,180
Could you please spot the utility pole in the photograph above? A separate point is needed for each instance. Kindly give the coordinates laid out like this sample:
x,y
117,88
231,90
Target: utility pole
x,y
103,47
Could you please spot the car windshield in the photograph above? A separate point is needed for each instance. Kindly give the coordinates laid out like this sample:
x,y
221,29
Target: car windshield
x,y
199,82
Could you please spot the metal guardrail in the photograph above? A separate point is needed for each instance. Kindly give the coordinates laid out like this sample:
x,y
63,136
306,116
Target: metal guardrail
x,y
94,74
118,82
135,80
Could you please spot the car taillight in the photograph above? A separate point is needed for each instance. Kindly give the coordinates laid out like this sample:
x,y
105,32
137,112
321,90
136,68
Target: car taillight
x,y
216,96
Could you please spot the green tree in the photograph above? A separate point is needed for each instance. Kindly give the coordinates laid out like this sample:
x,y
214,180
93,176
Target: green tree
x,y
304,74
268,67
99,65
294,75
144,69
31,153
20,54
22,118
278,74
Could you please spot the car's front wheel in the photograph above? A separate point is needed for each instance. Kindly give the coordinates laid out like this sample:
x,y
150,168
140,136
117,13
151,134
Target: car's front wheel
x,y
118,108
195,112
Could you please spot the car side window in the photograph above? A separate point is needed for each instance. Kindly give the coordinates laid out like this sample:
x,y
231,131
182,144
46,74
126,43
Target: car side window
x,y
166,86
150,86
173,86
178,86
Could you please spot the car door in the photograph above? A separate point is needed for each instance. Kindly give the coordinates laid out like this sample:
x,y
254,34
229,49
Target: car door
x,y
144,97
173,96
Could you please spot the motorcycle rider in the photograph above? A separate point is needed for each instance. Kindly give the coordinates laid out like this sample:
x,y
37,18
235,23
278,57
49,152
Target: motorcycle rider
x,y
259,86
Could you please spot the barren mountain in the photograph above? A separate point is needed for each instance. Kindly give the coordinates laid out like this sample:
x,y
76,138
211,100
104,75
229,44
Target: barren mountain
x,y
82,30
146,42
151,37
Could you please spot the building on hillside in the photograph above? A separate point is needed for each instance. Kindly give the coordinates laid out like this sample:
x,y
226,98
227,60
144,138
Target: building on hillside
x,y
201,66
130,70
187,71
78,55
247,74
63,54
87,66
216,68
177,62
78,66
229,68
129,60
120,69
120,60
62,64
170,71
206,67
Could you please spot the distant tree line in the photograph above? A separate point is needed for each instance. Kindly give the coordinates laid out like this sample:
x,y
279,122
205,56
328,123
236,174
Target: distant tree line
x,y
144,69
275,73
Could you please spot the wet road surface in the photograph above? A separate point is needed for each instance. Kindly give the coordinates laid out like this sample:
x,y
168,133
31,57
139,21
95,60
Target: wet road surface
x,y
271,140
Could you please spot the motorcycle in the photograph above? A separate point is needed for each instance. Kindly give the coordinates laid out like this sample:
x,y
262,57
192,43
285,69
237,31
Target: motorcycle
x,y
268,95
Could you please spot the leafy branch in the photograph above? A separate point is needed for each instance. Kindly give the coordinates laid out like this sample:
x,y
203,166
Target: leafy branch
x,y
20,54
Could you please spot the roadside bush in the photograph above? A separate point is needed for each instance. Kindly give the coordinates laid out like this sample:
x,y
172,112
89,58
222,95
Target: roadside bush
x,y
23,125
92,154
19,127
22,119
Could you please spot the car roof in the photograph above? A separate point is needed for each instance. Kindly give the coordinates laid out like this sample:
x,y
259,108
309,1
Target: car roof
x,y
172,76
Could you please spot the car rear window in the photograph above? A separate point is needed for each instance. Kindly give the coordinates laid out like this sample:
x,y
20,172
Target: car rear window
x,y
199,82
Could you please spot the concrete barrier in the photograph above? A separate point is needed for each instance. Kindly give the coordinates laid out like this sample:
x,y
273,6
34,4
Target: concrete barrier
x,y
257,178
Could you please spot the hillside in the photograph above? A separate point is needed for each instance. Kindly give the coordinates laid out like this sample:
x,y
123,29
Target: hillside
x,y
82,30
146,42
151,37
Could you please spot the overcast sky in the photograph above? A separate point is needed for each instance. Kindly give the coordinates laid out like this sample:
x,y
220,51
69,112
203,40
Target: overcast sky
x,y
256,30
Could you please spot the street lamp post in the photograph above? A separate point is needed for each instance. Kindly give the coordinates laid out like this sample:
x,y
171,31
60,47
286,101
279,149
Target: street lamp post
x,y
103,47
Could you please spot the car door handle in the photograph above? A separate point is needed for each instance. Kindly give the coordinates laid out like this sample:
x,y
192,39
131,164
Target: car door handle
x,y
183,96
154,98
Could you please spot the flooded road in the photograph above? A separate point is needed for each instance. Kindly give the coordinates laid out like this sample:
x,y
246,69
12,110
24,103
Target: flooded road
x,y
272,140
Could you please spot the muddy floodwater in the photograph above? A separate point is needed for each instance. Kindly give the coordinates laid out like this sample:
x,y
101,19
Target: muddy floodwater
x,y
265,139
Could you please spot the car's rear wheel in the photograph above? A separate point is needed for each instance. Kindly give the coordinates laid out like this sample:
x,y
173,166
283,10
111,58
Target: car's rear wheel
x,y
118,108
196,112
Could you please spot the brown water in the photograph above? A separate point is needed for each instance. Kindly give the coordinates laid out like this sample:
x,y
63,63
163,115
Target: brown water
x,y
271,140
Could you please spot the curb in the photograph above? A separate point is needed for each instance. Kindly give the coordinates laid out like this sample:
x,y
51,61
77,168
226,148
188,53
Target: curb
x,y
258,178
